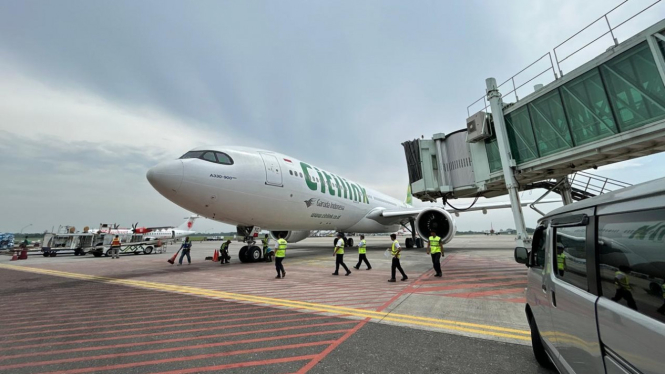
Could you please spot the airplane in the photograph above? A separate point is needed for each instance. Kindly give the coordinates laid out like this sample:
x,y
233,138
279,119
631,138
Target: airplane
x,y
253,189
152,233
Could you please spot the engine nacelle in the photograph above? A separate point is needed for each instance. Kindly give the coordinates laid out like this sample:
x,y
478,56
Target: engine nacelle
x,y
437,220
291,236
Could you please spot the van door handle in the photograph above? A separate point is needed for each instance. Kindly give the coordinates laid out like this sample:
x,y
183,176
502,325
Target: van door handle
x,y
553,298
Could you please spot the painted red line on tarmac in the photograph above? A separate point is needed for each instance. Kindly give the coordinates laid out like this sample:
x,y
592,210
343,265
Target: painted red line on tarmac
x,y
85,301
169,332
158,323
466,279
467,286
156,362
332,347
240,365
106,332
485,293
130,309
177,340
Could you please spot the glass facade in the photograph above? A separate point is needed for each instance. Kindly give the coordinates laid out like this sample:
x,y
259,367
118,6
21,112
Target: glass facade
x,y
620,95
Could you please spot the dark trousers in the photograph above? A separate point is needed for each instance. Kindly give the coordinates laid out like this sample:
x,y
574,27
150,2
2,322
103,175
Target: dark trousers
x,y
339,260
436,262
278,266
397,266
661,310
183,254
225,256
363,257
625,294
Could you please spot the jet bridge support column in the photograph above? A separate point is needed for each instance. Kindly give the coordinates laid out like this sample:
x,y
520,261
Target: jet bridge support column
x,y
566,191
507,162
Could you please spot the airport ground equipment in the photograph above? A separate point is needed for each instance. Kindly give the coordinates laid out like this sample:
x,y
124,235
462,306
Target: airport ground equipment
x,y
66,239
6,241
610,109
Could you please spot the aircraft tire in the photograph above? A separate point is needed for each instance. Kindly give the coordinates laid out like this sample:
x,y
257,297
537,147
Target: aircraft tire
x,y
242,254
419,243
408,243
253,254
349,242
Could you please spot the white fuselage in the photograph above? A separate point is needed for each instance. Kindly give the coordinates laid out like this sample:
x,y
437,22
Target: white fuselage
x,y
270,190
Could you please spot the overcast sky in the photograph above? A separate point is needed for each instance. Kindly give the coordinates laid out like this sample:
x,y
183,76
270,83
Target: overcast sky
x,y
93,93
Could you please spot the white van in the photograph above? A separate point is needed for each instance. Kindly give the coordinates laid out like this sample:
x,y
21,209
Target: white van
x,y
596,283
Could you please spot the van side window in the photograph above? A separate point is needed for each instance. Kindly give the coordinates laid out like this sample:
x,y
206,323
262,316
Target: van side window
x,y
570,256
631,249
538,247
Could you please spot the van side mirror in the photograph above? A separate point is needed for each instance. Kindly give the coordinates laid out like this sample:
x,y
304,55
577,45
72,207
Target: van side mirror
x,y
521,255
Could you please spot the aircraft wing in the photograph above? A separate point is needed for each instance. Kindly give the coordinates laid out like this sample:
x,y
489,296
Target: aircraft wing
x,y
395,216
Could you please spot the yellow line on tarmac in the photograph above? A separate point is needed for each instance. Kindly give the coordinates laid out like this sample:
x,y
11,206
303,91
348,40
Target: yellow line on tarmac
x,y
474,328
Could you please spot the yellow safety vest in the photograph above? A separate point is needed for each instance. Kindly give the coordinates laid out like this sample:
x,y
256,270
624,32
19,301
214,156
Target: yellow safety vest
x,y
560,260
362,248
434,244
393,251
115,242
265,242
340,251
622,281
281,248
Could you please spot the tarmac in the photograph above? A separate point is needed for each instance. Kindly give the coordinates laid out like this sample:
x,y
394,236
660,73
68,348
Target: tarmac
x,y
139,314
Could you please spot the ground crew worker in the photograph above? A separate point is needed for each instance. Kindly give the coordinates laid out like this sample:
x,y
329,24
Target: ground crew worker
x,y
224,252
185,248
661,310
434,249
395,251
362,254
622,283
266,242
560,259
339,256
280,253
115,247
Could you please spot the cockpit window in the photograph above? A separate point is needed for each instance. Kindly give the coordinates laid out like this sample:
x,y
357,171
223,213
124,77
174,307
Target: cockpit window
x,y
223,158
210,156
192,154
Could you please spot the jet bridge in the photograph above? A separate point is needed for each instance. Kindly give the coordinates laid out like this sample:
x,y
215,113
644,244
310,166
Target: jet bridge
x,y
607,110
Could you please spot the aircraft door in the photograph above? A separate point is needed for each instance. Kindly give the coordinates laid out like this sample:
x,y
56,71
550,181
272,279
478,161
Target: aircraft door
x,y
273,170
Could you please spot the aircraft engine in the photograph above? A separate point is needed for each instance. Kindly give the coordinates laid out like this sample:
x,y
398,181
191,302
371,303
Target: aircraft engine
x,y
437,220
290,236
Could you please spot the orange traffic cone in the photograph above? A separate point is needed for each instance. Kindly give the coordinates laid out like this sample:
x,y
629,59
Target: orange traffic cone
x,y
14,257
215,257
172,259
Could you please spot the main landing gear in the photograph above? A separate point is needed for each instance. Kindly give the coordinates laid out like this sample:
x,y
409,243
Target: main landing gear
x,y
250,252
348,242
413,241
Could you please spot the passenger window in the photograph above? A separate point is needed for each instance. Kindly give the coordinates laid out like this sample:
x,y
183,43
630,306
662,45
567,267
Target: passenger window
x,y
291,172
631,248
570,256
223,158
538,247
210,156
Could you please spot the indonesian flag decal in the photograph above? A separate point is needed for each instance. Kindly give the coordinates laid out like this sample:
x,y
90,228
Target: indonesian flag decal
x,y
287,160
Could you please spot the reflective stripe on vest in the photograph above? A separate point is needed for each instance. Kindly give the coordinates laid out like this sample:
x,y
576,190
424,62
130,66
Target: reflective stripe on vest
x,y
622,280
362,248
560,260
281,248
393,251
434,244
340,251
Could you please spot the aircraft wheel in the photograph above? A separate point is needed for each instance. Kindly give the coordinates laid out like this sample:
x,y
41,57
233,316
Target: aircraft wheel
x,y
147,250
349,242
254,254
408,243
243,253
419,242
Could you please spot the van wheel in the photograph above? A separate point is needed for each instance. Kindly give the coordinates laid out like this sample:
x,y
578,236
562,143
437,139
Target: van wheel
x,y
538,347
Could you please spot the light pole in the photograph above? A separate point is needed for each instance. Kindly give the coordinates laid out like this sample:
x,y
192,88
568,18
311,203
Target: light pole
x,y
24,227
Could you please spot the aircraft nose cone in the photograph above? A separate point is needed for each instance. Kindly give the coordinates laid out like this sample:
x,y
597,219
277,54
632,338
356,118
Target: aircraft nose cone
x,y
166,177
